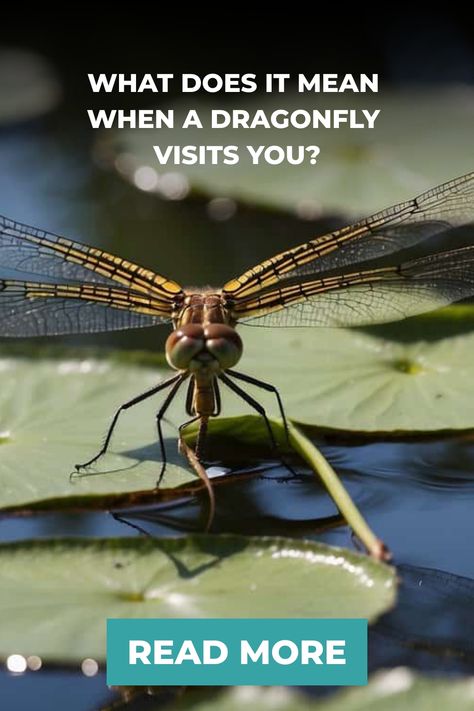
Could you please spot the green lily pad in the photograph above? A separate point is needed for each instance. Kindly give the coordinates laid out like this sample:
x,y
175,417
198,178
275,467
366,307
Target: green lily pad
x,y
365,382
63,591
396,690
418,140
54,414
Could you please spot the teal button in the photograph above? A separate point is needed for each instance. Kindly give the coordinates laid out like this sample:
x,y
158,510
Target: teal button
x,y
228,652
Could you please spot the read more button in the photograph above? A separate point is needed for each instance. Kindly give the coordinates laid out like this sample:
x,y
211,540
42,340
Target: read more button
x,y
173,652
285,651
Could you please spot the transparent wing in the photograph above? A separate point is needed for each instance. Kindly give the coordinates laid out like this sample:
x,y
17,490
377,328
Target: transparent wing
x,y
366,297
29,250
35,309
396,228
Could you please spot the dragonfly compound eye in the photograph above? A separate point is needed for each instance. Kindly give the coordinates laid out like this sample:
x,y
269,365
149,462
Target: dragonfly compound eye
x,y
224,343
183,344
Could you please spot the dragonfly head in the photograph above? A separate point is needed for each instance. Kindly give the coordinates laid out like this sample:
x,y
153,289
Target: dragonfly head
x,y
194,347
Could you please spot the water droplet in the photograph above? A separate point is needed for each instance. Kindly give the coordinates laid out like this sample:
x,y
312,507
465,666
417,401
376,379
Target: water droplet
x,y
221,209
146,178
308,210
173,186
89,667
34,662
16,663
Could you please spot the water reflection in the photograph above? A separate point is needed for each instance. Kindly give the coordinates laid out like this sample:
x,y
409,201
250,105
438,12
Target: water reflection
x,y
447,464
429,527
418,497
45,689
428,486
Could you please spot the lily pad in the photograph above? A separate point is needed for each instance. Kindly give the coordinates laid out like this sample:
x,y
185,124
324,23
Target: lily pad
x,y
54,414
63,591
418,140
362,381
396,690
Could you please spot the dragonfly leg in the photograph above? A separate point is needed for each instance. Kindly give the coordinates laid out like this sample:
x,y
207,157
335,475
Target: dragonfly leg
x,y
189,398
121,519
122,408
185,424
217,397
178,380
253,403
190,395
265,386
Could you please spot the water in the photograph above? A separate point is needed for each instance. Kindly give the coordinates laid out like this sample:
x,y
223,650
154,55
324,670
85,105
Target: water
x,y
417,496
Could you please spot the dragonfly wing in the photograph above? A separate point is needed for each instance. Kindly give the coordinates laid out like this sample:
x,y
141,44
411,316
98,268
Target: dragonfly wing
x,y
29,250
399,227
366,297
35,309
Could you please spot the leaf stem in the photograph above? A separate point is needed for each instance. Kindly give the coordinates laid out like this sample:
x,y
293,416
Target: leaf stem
x,y
321,467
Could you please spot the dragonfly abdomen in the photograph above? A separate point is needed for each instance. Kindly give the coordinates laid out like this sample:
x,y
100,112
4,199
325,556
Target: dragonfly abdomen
x,y
204,401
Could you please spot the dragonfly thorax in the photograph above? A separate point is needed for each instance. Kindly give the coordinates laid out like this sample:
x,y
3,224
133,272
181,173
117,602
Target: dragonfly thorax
x,y
212,348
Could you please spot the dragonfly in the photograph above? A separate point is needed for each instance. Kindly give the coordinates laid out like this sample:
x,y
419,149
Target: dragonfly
x,y
328,281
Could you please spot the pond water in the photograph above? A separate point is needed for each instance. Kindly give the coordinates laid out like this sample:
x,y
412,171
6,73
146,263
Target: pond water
x,y
417,496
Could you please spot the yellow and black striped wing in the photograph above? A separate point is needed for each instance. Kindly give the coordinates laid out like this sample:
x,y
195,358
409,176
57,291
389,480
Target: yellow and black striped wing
x,y
308,285
399,227
36,309
366,297
29,250
92,291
